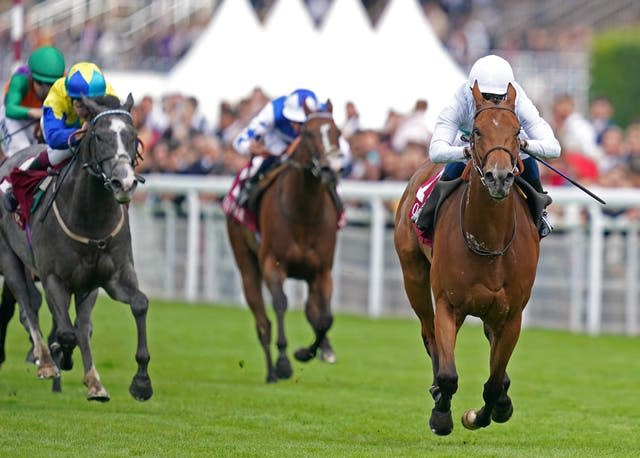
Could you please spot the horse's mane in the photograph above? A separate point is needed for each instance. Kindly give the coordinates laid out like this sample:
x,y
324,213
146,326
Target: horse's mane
x,y
108,101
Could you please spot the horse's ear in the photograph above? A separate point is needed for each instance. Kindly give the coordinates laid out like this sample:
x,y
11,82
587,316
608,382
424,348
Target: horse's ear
x,y
511,96
477,95
329,106
91,106
128,104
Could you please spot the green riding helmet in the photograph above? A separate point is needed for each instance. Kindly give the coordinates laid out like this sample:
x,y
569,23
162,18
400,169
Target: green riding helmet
x,y
46,64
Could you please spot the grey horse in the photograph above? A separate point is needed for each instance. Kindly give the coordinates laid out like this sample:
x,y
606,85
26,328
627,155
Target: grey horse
x,y
80,238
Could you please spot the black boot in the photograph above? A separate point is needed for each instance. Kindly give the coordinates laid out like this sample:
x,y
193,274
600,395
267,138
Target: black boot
x,y
9,201
544,226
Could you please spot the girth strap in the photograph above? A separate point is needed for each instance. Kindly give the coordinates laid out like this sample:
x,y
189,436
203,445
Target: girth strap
x,y
101,244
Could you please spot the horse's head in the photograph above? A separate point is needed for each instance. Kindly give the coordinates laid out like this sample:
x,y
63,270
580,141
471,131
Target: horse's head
x,y
319,142
494,142
109,149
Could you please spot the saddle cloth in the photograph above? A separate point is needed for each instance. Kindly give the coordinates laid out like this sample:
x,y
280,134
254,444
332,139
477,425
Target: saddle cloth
x,y
423,192
244,215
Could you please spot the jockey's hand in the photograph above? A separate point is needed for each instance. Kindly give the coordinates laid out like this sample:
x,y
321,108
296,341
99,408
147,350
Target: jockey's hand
x,y
37,133
335,163
257,148
524,145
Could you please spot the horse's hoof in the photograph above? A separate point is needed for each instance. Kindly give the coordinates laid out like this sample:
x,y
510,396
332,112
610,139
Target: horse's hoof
x,y
140,388
303,355
469,418
441,423
502,414
327,356
283,368
272,378
99,395
48,371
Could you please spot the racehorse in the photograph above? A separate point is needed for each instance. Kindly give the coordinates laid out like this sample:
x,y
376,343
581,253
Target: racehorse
x,y
298,223
80,238
483,263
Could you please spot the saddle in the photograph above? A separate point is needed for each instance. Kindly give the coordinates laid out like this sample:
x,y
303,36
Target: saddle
x,y
425,219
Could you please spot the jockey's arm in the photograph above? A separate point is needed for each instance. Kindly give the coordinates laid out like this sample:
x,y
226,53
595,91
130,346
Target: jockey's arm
x,y
443,147
538,135
18,88
246,142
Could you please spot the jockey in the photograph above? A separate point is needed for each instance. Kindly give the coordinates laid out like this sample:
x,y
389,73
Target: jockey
x,y
270,133
450,144
27,89
63,114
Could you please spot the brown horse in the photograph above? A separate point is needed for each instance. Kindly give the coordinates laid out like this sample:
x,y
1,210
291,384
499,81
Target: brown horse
x,y
297,220
483,263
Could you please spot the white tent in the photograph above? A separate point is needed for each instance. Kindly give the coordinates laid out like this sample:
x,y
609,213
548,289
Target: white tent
x,y
346,60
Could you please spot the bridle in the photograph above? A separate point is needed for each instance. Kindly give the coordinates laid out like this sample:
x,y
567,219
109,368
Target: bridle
x,y
471,242
477,163
319,160
94,166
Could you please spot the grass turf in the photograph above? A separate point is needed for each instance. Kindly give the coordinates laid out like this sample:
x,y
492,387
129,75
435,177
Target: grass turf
x,y
574,395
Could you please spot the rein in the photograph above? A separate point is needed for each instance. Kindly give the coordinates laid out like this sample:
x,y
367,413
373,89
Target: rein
x,y
472,243
102,243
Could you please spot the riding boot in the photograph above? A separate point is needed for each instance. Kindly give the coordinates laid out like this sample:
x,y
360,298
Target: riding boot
x,y
424,218
40,162
544,226
246,189
9,201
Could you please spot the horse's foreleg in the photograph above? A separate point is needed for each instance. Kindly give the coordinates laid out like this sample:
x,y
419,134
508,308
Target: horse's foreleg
x,y
7,309
318,312
126,290
504,408
58,299
275,280
446,329
496,400
84,327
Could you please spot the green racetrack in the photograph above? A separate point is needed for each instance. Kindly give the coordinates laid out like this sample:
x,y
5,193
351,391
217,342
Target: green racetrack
x,y
574,395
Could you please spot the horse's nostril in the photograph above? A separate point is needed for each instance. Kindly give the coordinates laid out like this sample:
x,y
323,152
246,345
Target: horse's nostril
x,y
116,184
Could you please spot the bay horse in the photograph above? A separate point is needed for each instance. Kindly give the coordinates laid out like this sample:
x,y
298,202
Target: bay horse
x,y
483,262
80,238
298,223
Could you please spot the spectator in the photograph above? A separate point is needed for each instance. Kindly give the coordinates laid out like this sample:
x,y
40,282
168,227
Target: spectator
x,y
601,116
352,120
413,129
574,132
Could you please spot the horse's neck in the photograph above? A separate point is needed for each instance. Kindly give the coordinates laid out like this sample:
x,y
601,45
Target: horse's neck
x,y
486,219
85,203
302,192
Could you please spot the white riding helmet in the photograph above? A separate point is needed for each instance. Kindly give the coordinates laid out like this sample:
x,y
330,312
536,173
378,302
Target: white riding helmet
x,y
492,73
294,104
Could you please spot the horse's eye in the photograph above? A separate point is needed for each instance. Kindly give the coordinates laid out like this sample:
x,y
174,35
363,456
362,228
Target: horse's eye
x,y
476,132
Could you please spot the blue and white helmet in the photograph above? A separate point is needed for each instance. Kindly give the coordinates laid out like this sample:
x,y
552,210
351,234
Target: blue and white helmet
x,y
295,102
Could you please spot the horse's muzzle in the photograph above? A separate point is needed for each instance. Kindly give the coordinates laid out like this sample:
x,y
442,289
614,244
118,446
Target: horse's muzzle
x,y
499,184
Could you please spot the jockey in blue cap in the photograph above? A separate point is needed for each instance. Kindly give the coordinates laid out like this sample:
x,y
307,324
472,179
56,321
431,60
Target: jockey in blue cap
x,y
270,133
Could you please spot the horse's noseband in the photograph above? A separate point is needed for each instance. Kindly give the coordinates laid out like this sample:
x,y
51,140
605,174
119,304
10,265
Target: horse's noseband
x,y
319,161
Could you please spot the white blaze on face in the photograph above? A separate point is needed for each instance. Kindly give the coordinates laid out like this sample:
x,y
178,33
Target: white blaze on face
x,y
324,132
118,126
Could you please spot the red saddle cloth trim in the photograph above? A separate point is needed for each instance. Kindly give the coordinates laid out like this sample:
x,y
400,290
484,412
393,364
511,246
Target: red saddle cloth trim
x,y
423,192
245,216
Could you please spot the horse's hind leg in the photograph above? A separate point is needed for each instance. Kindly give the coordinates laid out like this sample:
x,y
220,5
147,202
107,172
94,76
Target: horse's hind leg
x,y
7,309
275,281
318,312
416,277
84,328
503,342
